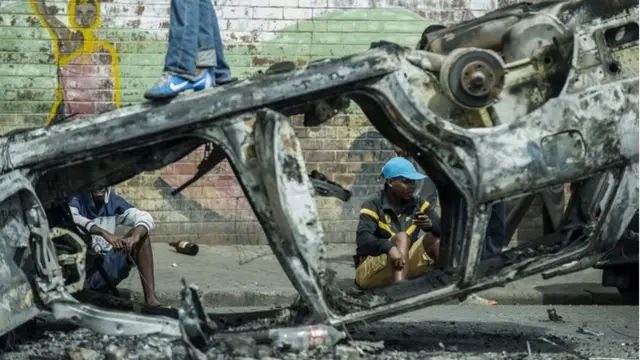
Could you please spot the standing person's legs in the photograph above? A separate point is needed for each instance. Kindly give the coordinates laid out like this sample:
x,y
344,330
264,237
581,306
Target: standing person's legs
x,y
494,237
552,208
180,61
206,58
221,72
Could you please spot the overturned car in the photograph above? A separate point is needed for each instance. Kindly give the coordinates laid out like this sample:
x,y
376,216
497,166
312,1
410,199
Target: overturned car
x,y
496,108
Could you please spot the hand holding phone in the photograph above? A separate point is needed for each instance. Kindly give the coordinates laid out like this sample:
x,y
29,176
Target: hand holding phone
x,y
422,221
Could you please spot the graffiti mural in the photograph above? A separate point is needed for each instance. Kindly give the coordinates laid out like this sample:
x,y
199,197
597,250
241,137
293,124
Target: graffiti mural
x,y
84,57
88,76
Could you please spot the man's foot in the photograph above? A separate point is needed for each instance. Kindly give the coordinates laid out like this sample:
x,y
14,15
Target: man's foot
x,y
169,86
152,302
474,299
226,80
203,81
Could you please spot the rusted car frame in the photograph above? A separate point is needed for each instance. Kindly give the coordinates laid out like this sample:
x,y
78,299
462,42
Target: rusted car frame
x,y
584,132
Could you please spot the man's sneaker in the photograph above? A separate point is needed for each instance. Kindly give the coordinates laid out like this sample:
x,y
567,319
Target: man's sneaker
x,y
204,81
167,87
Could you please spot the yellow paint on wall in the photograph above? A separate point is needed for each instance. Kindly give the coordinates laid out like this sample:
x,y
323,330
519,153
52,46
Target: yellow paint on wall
x,y
89,46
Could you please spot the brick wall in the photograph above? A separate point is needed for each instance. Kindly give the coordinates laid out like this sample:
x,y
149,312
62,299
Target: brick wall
x,y
110,64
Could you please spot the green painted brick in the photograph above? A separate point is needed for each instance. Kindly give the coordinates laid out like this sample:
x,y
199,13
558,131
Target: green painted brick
x,y
7,57
312,25
368,38
339,25
18,19
292,38
406,27
141,59
24,107
120,35
26,46
21,120
275,50
374,14
138,83
23,33
327,37
337,50
27,70
30,95
24,82
238,60
141,47
143,71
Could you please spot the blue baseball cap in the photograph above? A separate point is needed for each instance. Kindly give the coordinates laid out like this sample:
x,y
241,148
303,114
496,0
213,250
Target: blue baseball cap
x,y
401,167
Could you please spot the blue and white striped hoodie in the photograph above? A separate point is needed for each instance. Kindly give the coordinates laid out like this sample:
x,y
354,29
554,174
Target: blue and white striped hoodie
x,y
114,211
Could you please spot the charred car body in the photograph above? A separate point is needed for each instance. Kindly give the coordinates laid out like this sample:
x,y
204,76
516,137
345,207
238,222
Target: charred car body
x,y
499,107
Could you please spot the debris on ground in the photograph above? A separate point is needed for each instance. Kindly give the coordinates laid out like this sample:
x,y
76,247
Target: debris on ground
x,y
584,330
553,315
79,353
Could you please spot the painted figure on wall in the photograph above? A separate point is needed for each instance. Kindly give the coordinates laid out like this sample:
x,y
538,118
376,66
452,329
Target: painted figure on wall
x,y
88,76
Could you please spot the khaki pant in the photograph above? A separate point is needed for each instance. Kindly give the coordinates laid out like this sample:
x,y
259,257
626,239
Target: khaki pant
x,y
375,271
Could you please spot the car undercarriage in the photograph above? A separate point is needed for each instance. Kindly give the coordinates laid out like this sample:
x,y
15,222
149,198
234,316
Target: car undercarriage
x,y
496,108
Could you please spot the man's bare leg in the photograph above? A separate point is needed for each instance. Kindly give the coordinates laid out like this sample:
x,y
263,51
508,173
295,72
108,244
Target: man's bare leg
x,y
143,256
401,241
431,246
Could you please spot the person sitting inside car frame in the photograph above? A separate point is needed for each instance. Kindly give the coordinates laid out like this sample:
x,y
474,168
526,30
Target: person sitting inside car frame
x,y
389,245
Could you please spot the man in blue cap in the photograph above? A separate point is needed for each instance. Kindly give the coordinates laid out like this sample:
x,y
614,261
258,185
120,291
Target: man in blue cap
x,y
389,247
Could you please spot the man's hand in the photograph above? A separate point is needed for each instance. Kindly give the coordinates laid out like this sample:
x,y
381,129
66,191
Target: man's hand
x,y
396,258
134,237
423,222
115,241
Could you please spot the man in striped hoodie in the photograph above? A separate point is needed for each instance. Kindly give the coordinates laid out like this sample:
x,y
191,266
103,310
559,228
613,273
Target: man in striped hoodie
x,y
99,212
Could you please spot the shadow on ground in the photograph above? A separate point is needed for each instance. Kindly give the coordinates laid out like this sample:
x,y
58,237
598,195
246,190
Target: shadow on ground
x,y
578,294
465,337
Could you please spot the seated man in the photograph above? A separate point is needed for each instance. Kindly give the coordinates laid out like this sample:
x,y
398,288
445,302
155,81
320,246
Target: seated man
x,y
99,212
389,247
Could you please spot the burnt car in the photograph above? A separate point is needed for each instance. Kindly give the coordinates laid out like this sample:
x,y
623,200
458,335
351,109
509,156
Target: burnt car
x,y
502,106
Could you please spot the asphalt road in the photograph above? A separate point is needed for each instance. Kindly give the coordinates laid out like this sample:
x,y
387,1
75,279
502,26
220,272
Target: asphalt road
x,y
440,332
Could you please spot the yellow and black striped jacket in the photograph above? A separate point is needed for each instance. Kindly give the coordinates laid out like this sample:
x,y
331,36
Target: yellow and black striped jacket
x,y
378,223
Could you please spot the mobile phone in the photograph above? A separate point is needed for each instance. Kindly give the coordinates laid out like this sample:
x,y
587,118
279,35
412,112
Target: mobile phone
x,y
419,215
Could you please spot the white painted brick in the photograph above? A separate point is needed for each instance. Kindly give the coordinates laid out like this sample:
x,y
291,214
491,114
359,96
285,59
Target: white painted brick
x,y
235,12
246,25
320,12
281,3
267,13
277,25
240,2
481,4
295,14
313,3
342,3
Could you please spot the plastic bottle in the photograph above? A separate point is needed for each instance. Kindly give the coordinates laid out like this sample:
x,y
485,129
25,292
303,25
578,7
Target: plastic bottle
x,y
304,338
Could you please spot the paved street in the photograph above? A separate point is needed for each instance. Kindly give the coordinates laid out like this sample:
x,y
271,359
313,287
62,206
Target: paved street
x,y
440,332
251,276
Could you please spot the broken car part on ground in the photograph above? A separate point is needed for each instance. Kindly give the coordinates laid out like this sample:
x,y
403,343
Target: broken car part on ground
x,y
495,108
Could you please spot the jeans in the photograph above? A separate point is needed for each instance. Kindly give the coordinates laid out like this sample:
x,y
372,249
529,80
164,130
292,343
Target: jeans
x,y
195,41
496,229
117,268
